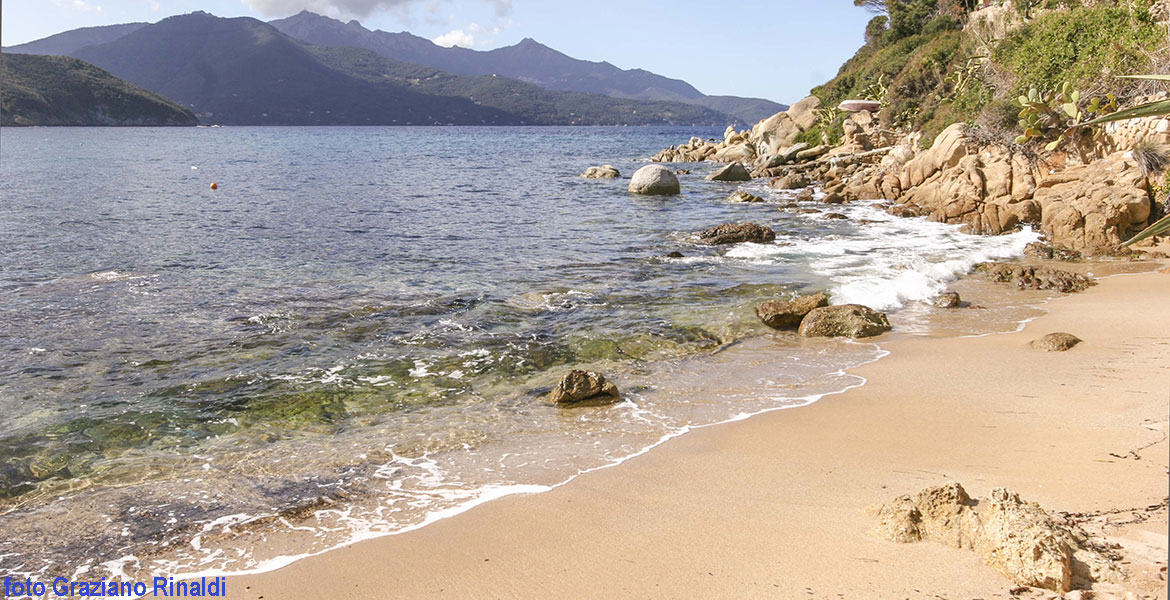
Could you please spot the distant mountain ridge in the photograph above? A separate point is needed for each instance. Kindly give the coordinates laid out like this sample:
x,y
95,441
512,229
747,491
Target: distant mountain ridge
x,y
58,90
68,42
242,71
528,61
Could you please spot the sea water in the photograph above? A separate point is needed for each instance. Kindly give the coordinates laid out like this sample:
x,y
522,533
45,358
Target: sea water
x,y
353,334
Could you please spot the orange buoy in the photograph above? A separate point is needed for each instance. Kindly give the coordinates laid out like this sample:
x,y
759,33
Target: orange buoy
x,y
214,185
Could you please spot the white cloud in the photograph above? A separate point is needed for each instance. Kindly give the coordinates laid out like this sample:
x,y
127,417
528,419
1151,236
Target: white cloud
x,y
84,6
352,8
469,37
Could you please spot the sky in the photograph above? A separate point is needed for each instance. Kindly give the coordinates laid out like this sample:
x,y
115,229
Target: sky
x,y
774,49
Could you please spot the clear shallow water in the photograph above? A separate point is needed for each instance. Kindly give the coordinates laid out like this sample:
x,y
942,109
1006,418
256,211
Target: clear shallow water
x,y
351,336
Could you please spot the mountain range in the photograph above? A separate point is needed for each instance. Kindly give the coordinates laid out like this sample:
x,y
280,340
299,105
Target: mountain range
x,y
528,61
310,69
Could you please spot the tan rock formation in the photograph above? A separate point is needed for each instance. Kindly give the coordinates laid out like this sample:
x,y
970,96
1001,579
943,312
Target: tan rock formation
x,y
1094,207
1090,208
780,130
1017,538
1056,342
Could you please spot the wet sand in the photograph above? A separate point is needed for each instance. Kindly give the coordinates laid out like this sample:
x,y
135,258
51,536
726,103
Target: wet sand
x,y
774,506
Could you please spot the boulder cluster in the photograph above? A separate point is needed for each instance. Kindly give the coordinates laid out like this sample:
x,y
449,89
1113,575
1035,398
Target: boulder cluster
x,y
812,316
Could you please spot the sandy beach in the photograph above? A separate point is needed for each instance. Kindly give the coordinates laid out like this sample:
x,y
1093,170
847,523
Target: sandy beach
x,y
774,506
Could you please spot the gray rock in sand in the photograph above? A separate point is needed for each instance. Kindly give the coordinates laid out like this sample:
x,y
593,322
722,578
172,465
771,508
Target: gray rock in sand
x,y
1056,342
655,180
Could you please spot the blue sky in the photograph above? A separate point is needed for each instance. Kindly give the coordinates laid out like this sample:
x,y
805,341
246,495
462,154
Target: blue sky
x,y
775,49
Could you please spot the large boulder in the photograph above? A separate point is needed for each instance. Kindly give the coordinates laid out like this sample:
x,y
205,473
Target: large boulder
x,y
735,233
846,320
741,152
804,113
579,388
602,172
1094,208
949,147
732,172
781,129
654,180
787,314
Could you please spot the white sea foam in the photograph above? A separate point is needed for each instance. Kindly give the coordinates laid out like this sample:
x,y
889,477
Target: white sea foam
x,y
894,261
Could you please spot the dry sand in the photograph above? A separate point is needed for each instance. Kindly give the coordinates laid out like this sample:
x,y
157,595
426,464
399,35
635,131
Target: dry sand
x,y
773,507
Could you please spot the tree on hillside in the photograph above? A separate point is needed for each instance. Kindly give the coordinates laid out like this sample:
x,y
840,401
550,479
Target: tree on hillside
x,y
885,6
877,6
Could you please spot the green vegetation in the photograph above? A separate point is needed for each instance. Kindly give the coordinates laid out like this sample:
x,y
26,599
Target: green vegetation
x,y
937,72
1084,47
1055,114
56,90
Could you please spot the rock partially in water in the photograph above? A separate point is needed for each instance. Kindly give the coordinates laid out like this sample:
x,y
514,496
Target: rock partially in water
x,y
734,233
742,196
732,172
1017,538
836,216
846,320
602,172
654,180
1056,342
833,198
1037,278
579,388
806,195
787,314
1038,250
948,300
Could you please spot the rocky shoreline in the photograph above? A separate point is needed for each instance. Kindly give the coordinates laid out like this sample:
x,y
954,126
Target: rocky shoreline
x,y
1086,202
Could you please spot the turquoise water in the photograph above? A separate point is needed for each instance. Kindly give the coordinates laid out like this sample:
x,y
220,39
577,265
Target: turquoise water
x,y
355,330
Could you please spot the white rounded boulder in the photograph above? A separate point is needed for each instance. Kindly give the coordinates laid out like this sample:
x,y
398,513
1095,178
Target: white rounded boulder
x,y
654,180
